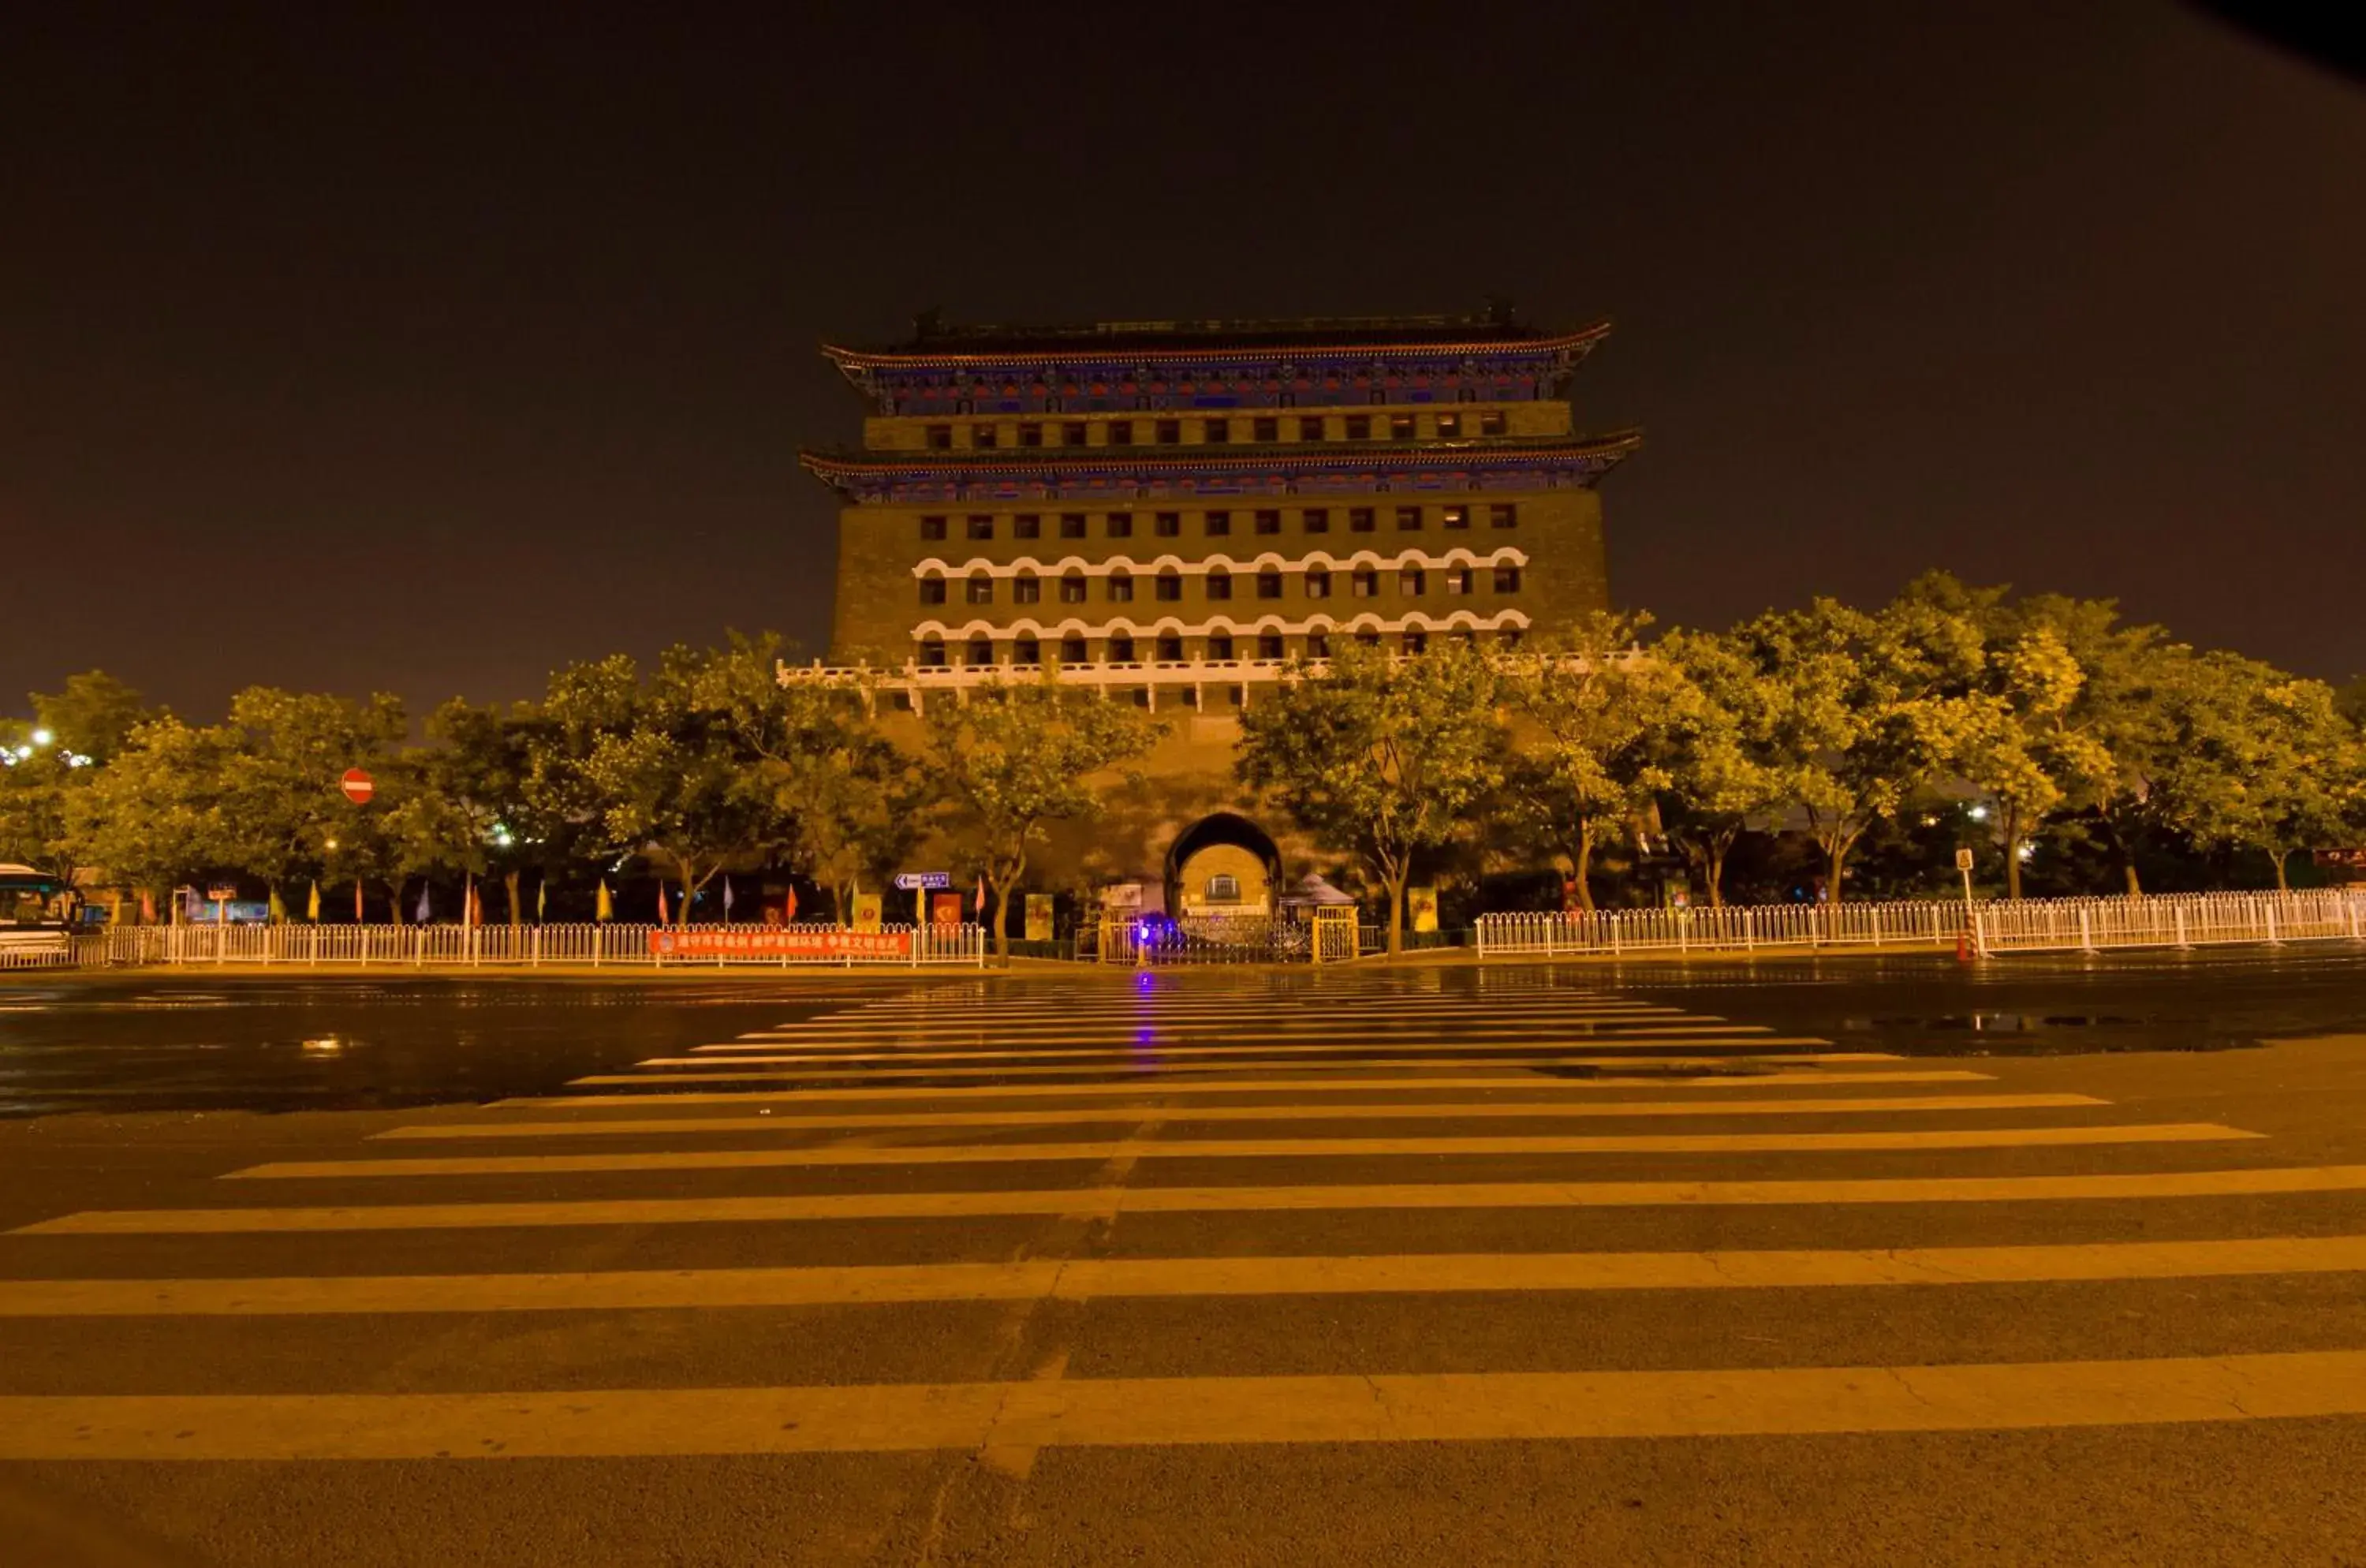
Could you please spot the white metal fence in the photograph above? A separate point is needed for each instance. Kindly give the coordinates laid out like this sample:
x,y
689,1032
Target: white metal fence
x,y
2031,925
533,946
2091,925
36,950
1742,929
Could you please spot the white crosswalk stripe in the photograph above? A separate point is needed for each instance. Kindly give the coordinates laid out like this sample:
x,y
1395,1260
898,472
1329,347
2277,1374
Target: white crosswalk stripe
x,y
799,1125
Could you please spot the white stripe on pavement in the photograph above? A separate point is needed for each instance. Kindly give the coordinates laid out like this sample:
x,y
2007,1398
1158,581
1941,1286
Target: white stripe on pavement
x,y
1087,1278
1090,1115
1117,1202
1501,1080
1384,1408
1249,1148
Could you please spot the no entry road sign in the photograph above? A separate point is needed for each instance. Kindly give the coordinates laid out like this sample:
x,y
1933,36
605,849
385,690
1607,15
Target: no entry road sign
x,y
358,786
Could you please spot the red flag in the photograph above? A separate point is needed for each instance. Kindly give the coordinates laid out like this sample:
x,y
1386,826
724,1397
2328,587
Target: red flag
x,y
147,908
663,918
789,904
979,902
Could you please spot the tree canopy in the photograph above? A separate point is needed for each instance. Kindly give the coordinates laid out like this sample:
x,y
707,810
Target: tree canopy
x,y
2041,730
1380,757
1015,756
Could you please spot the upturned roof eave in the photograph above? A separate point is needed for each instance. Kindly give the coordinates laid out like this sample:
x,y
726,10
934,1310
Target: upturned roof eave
x,y
1615,445
851,357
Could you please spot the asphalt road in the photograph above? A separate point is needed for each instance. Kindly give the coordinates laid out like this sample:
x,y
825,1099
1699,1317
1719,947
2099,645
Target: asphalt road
x,y
1395,1267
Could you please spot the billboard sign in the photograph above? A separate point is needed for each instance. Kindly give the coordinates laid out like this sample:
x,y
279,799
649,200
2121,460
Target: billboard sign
x,y
235,912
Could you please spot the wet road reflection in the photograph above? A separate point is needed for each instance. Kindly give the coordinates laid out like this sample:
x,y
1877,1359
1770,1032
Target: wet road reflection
x,y
179,1042
1927,1004
201,1042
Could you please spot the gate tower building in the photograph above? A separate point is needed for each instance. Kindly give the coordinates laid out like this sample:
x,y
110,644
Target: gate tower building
x,y
1171,511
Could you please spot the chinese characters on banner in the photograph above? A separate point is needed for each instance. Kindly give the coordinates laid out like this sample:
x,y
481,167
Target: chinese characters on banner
x,y
777,942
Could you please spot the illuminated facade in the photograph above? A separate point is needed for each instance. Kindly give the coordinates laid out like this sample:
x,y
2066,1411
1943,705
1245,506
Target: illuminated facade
x,y
1171,511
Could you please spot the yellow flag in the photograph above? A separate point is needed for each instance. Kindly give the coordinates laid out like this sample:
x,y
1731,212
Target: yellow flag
x,y
605,910
313,905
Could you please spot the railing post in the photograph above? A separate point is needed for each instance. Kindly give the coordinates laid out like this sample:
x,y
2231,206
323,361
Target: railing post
x,y
2085,940
2269,905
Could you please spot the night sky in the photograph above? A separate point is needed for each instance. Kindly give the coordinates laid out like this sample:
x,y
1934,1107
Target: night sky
x,y
423,352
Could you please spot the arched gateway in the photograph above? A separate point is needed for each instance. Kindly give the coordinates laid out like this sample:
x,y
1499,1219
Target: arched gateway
x,y
1223,864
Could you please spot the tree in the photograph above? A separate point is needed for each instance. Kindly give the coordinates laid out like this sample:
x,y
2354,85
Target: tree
x,y
586,704
405,830
1594,712
1015,756
36,782
278,800
44,764
151,818
849,801
2263,760
93,716
2028,741
1717,751
2351,698
1868,708
674,778
2114,738
489,772
857,800
1380,757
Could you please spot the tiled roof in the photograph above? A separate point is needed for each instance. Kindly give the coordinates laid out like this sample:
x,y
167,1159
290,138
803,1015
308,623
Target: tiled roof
x,y
1053,460
1151,342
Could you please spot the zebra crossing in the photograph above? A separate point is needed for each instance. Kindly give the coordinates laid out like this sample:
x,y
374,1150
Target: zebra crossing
x,y
1215,1144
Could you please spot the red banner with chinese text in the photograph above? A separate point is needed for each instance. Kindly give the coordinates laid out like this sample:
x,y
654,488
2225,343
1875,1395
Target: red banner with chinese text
x,y
777,942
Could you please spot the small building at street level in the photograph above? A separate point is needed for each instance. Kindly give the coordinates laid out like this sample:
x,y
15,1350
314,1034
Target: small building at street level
x,y
1169,513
